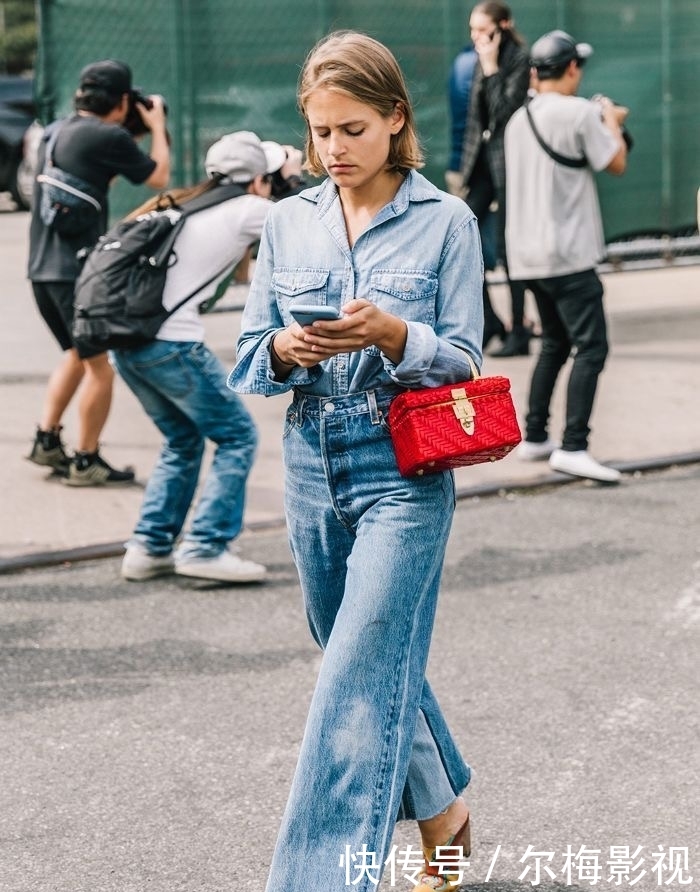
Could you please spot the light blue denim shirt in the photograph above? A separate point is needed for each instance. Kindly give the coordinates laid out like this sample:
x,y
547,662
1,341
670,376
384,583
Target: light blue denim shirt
x,y
419,259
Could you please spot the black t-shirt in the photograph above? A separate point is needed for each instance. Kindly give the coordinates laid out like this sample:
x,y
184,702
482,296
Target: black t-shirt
x,y
96,151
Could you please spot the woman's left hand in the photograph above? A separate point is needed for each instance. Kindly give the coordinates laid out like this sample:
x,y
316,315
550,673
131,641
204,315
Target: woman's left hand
x,y
363,325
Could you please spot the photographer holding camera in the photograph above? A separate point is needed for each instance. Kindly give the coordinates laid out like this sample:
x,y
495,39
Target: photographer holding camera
x,y
95,144
554,145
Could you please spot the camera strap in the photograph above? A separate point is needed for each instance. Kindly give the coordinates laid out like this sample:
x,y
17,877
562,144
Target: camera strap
x,y
554,155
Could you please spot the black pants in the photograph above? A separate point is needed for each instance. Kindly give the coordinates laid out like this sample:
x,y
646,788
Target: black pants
x,y
572,316
482,192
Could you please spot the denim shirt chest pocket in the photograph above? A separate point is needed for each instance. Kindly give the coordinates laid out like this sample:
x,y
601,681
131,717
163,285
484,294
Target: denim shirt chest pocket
x,y
299,286
408,294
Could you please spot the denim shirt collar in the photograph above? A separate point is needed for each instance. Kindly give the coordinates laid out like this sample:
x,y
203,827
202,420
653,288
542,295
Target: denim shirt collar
x,y
414,188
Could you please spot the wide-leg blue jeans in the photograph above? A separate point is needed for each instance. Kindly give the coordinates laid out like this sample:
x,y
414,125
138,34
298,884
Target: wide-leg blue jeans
x,y
369,547
182,387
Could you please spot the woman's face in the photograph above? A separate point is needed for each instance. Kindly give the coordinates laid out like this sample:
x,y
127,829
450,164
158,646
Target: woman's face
x,y
352,139
482,27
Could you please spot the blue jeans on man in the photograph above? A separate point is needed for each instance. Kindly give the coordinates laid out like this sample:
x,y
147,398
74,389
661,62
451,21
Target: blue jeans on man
x,y
182,387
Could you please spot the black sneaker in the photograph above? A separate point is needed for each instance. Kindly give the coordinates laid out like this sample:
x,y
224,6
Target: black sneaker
x,y
90,469
49,452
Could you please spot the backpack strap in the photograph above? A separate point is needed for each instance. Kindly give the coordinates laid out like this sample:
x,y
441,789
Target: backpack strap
x,y
181,303
219,193
211,197
565,160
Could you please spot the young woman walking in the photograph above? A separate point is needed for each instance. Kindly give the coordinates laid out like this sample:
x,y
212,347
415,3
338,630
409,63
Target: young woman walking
x,y
401,262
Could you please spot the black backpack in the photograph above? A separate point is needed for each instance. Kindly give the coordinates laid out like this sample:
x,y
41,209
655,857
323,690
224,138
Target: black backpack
x,y
119,292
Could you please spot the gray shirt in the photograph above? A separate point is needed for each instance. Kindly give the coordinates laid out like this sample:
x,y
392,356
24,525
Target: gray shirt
x,y
213,239
553,222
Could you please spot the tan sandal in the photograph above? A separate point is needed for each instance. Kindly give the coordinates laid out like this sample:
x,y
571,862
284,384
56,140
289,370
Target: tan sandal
x,y
431,879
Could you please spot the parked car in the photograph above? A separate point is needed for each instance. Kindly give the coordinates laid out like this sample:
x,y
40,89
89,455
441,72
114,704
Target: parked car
x,y
17,114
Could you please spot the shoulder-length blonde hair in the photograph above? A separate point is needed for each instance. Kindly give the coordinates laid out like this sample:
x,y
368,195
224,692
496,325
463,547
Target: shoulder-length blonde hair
x,y
363,68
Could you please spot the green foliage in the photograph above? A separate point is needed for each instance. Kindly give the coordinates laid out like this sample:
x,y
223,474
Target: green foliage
x,y
18,36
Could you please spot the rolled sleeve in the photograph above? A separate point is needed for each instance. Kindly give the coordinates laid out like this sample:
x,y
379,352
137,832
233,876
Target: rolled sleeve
x,y
435,356
418,355
253,372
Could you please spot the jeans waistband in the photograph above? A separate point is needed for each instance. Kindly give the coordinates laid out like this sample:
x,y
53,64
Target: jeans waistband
x,y
375,402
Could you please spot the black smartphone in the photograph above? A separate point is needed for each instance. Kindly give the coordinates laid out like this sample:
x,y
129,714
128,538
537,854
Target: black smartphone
x,y
307,314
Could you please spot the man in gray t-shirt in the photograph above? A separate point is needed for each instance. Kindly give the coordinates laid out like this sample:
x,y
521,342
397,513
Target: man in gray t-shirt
x,y
554,239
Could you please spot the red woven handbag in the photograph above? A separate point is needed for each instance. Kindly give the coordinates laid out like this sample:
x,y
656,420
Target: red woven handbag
x,y
437,428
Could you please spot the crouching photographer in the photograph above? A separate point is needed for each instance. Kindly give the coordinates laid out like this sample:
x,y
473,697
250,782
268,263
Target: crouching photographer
x,y
225,214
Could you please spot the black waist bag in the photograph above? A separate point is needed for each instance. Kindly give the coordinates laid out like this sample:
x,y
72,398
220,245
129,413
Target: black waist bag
x,y
67,204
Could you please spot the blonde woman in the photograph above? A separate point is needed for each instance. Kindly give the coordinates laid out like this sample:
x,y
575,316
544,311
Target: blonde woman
x,y
401,262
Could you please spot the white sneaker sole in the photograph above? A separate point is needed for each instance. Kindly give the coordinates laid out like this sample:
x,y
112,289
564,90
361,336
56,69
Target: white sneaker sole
x,y
202,571
142,575
600,474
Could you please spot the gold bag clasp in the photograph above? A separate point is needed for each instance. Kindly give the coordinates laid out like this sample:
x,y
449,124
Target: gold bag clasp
x,y
464,410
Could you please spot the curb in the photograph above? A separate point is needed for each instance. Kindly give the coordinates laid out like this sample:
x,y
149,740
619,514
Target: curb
x,y
37,560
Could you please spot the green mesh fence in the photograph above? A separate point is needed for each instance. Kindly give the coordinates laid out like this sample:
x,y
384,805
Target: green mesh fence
x,y
226,66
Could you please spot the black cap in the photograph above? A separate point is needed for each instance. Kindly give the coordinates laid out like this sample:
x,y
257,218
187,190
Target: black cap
x,y
555,50
109,75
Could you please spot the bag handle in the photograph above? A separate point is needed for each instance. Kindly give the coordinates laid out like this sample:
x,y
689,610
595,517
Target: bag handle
x,y
472,365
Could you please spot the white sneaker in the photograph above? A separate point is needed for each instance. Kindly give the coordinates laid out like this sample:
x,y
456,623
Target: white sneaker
x,y
529,451
138,564
582,464
225,567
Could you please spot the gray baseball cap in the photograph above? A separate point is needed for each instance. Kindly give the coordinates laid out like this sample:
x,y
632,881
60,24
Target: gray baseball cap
x,y
241,157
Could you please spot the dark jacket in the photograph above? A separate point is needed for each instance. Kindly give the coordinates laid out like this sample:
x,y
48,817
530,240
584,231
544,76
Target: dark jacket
x,y
493,100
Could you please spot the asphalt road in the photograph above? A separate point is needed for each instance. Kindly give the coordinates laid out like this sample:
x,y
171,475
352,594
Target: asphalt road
x,y
148,732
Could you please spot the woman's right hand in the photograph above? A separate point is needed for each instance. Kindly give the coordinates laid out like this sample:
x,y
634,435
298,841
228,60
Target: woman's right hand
x,y
289,349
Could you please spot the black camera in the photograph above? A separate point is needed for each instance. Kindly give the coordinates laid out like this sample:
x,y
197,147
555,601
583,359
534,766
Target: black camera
x,y
134,122
626,135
